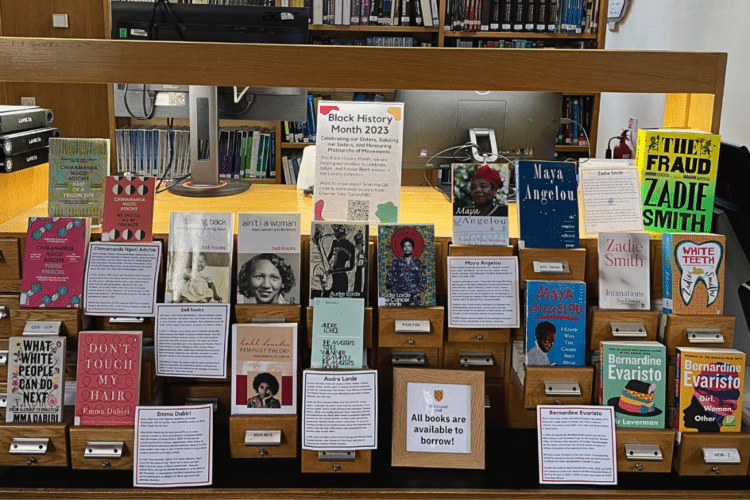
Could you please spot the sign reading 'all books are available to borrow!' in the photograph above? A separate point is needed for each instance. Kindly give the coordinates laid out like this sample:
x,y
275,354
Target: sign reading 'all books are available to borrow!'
x,y
358,161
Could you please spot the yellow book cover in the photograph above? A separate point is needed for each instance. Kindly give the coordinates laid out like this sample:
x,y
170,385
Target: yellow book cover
x,y
678,178
708,389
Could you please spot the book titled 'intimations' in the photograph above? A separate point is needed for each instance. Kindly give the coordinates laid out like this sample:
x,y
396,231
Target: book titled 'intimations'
x,y
624,271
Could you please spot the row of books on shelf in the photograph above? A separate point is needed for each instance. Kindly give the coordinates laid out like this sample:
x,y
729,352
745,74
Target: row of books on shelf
x,y
216,2
375,13
247,153
371,41
579,110
297,131
541,16
148,151
520,43
290,164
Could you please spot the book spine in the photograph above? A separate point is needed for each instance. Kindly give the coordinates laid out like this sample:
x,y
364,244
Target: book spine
x,y
14,144
272,155
576,118
364,17
554,8
667,243
677,384
530,15
317,12
25,120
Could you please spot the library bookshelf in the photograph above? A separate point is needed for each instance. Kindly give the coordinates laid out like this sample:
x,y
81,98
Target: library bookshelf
x,y
700,76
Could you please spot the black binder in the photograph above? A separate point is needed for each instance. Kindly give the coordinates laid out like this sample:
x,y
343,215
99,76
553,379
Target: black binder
x,y
20,142
14,163
17,118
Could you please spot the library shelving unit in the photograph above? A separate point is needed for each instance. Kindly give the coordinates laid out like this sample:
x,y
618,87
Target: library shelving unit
x,y
511,469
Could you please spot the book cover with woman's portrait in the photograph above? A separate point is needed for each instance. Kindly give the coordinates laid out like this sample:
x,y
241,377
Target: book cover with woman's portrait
x,y
406,265
268,258
338,260
264,368
480,204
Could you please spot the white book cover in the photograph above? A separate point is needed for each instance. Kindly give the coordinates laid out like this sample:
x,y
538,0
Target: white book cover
x,y
36,379
624,281
426,12
268,258
199,261
317,12
264,368
358,161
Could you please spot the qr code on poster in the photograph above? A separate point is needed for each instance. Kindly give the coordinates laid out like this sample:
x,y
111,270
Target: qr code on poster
x,y
359,210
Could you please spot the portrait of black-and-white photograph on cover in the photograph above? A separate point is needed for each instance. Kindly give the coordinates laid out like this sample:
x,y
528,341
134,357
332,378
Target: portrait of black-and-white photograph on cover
x,y
338,260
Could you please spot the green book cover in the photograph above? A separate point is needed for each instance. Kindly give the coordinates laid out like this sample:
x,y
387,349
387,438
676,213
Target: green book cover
x,y
633,381
338,334
77,173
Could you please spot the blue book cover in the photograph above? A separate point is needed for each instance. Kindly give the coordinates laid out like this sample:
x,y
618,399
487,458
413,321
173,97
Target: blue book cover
x,y
311,125
547,204
338,334
555,323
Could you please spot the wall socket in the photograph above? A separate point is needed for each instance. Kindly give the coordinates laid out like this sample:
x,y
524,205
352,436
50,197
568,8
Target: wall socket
x,y
28,101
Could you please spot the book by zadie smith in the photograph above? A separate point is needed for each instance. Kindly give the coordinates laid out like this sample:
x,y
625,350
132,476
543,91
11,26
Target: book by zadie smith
x,y
708,389
678,179
108,377
624,271
555,323
128,208
693,273
54,262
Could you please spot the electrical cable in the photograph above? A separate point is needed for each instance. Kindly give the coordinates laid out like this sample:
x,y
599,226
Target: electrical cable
x,y
146,115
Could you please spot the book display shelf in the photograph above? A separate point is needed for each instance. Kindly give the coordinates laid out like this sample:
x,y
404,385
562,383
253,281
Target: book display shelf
x,y
511,457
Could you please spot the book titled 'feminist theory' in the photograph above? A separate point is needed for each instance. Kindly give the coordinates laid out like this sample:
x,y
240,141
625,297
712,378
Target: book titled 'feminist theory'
x,y
108,377
36,379
708,389
54,261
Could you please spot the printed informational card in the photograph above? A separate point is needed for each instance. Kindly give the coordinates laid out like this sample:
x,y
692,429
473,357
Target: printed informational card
x,y
121,279
192,340
340,410
438,418
609,187
358,161
577,445
173,446
483,292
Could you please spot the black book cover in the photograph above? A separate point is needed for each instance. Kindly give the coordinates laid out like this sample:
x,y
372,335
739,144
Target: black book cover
x,y
19,142
495,15
18,118
485,19
14,163
506,16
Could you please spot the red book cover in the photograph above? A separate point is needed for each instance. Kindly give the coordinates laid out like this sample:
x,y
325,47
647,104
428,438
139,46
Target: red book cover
x,y
54,262
128,208
108,377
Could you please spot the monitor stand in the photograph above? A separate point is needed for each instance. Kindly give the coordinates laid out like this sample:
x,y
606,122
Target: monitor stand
x,y
204,180
484,134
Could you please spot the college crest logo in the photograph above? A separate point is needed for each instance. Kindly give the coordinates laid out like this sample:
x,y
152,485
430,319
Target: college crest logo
x,y
438,395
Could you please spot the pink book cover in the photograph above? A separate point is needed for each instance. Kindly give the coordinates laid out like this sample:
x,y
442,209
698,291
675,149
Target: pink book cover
x,y
108,378
128,208
54,262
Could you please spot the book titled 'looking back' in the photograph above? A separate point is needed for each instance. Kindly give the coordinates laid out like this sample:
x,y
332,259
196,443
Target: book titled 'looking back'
x,y
54,262
678,179
547,204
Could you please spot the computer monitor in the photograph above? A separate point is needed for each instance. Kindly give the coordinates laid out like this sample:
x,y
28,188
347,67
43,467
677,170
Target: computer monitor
x,y
525,124
205,105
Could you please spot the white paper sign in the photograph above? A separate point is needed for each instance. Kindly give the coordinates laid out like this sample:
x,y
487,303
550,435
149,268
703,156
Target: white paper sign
x,y
608,188
438,418
173,446
340,410
358,161
483,292
577,445
121,279
191,340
